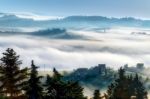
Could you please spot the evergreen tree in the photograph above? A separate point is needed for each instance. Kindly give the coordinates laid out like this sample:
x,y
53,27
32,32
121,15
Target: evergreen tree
x,y
74,91
12,77
126,87
34,88
110,91
139,89
56,75
120,90
50,91
97,94
57,88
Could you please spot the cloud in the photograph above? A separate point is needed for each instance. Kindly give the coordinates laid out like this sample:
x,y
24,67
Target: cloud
x,y
113,49
33,16
36,16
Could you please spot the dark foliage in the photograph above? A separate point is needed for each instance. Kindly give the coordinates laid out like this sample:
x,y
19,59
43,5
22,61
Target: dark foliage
x,y
34,88
11,76
53,31
126,87
59,89
15,83
97,94
98,76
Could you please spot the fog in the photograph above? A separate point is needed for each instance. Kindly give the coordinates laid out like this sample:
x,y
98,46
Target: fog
x,y
116,47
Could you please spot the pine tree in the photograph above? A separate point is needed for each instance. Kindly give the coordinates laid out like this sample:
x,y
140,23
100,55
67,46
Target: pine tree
x,y
97,94
34,88
56,75
110,91
116,90
126,87
74,91
11,76
50,91
139,89
57,88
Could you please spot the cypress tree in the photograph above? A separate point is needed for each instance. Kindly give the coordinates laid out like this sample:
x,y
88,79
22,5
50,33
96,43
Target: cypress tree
x,y
34,88
12,77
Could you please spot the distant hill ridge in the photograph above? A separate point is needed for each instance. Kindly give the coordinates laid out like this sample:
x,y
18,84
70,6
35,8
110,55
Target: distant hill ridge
x,y
78,17
12,20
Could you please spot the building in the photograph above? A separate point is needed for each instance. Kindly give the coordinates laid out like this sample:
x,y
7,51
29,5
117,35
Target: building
x,y
100,69
140,66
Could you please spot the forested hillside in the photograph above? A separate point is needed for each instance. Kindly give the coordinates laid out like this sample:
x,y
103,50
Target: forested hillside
x,y
25,83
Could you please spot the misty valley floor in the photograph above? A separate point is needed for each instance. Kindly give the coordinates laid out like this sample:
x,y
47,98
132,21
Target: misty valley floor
x,y
115,48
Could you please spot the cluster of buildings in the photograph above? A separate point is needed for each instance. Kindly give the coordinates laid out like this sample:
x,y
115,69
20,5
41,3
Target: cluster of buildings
x,y
100,69
138,68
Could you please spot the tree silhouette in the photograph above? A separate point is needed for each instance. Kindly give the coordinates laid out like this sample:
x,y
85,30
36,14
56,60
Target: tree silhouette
x,y
34,88
15,83
138,87
74,91
126,87
57,88
97,94
11,76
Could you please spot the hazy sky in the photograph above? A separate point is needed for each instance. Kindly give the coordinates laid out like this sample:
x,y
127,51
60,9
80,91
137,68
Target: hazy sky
x,y
115,8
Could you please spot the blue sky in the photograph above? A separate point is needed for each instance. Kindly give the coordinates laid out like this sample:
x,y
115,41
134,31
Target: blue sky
x,y
114,8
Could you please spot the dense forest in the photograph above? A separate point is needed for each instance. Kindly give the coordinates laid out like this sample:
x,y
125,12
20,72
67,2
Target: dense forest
x,y
25,83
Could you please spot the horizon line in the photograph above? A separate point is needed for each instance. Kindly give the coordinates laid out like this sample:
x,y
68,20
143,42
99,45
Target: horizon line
x,y
36,16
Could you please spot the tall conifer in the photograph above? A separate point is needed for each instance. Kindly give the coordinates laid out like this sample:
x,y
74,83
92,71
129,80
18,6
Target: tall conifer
x,y
12,77
34,88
